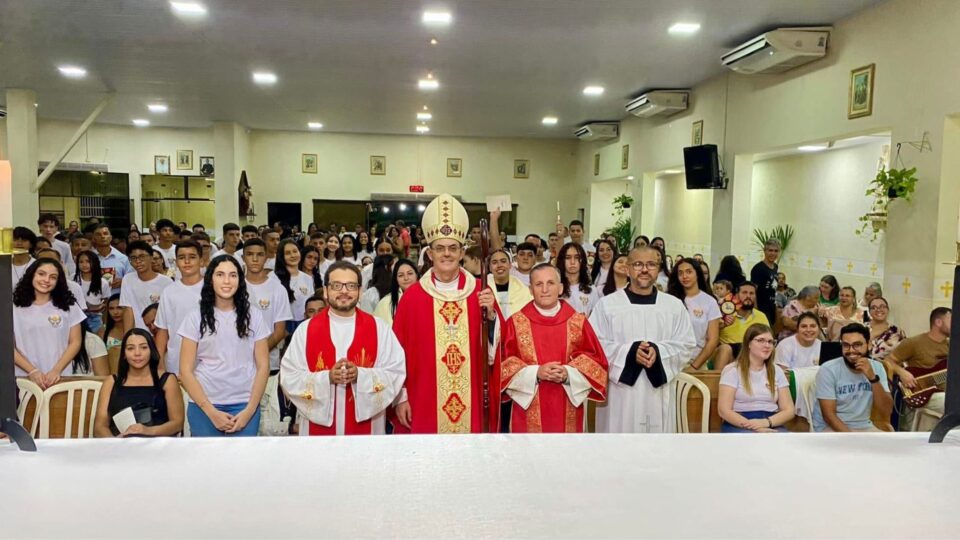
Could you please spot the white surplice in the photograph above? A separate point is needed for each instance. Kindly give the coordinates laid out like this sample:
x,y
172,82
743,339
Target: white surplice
x,y
374,389
619,324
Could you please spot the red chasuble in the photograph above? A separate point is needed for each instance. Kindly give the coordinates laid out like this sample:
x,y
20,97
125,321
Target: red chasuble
x,y
531,339
362,352
440,336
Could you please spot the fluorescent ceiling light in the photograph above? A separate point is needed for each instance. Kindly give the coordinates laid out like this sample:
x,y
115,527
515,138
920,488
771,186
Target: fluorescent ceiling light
x,y
428,84
423,129
264,77
424,116
403,207
433,41
193,9
549,120
157,108
593,91
437,17
73,72
684,28
314,125
141,122
672,171
812,148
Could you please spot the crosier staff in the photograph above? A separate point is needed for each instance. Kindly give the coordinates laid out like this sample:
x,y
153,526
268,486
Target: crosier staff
x,y
485,325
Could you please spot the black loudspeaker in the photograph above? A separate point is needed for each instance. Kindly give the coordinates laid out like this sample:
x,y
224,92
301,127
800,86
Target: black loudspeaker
x,y
702,167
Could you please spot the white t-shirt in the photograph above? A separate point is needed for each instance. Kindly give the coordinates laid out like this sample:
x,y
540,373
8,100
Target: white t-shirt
x,y
524,278
238,255
271,300
703,308
137,294
602,277
369,300
95,349
271,263
19,271
225,364
302,287
759,398
78,294
42,332
587,246
792,354
176,302
66,256
93,298
583,302
169,254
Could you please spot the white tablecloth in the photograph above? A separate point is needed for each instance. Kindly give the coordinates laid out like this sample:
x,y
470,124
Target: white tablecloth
x,y
588,486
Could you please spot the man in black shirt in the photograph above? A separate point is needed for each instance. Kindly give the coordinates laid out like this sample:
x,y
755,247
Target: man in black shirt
x,y
764,274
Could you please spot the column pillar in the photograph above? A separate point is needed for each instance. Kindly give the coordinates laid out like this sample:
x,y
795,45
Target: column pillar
x,y
230,152
22,153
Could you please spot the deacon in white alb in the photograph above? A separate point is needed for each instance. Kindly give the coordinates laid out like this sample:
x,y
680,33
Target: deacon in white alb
x,y
648,338
343,367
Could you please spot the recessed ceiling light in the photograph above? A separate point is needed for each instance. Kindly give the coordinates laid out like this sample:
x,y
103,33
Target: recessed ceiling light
x,y
593,91
812,147
403,207
428,84
73,72
672,171
424,116
629,178
684,28
157,108
425,108
549,120
421,207
385,209
437,17
264,77
141,122
423,129
191,9
433,41
314,125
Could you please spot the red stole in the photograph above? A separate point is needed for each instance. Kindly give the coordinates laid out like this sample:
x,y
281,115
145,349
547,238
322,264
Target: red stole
x,y
362,352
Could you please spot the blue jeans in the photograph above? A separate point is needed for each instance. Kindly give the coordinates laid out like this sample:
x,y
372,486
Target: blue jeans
x,y
730,428
201,426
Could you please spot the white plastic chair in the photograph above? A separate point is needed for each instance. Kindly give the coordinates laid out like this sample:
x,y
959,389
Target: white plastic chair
x,y
186,402
29,390
682,385
88,412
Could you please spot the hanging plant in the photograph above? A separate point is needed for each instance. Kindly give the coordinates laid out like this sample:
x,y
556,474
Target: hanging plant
x,y
623,229
889,184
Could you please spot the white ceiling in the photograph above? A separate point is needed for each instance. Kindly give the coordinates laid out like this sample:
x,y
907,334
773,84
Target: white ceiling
x,y
354,65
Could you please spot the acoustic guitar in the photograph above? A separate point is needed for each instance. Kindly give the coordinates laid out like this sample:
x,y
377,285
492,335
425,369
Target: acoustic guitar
x,y
929,382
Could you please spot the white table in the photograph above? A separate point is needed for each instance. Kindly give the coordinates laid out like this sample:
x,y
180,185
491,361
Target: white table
x,y
587,486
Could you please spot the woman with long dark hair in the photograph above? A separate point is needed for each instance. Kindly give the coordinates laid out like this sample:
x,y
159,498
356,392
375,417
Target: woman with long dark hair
x,y
619,276
310,265
689,285
829,291
224,355
46,324
365,246
379,284
112,331
730,270
155,400
577,288
404,275
299,285
606,252
96,288
348,249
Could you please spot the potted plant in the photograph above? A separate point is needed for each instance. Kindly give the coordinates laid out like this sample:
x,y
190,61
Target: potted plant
x,y
888,185
783,233
623,229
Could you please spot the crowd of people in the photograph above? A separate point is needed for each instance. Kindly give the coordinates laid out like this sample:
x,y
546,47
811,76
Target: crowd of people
x,y
274,331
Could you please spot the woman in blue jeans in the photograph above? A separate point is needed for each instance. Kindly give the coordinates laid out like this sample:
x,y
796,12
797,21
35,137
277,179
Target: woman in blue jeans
x,y
224,357
754,395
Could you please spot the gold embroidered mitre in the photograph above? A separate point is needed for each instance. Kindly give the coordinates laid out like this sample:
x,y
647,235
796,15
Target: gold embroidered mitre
x,y
445,217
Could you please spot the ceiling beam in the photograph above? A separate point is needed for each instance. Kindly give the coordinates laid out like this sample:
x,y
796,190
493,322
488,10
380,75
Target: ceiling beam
x,y
45,175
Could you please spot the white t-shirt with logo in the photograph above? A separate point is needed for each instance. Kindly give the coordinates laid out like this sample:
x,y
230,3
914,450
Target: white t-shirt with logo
x,y
271,300
169,254
176,302
137,294
225,364
583,302
41,333
792,354
703,308
302,287
94,298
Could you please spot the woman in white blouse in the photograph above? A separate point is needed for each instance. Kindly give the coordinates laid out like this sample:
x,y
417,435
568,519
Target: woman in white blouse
x,y
688,283
578,290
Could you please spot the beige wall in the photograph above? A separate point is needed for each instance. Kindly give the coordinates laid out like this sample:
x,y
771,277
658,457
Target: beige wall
x,y
683,218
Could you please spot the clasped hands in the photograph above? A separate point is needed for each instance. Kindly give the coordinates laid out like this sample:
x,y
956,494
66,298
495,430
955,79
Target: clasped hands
x,y
552,372
343,372
646,354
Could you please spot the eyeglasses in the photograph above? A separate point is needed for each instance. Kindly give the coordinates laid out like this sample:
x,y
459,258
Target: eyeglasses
x,y
639,265
453,250
848,346
339,286
880,307
138,258
765,341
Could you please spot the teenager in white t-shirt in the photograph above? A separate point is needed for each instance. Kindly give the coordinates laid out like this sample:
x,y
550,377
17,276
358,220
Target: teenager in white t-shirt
x,y
166,234
577,289
525,261
24,242
269,298
802,349
96,288
52,254
688,283
46,324
754,394
231,243
49,225
223,356
142,287
298,285
176,302
271,242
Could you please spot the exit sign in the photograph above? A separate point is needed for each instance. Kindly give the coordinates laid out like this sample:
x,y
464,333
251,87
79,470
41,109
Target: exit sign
x,y
416,189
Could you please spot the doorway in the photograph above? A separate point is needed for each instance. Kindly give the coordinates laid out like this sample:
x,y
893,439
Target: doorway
x,y
288,214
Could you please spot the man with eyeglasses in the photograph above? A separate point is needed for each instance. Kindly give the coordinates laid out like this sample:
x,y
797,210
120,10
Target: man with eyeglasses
x,y
648,339
343,367
141,288
438,323
848,388
268,295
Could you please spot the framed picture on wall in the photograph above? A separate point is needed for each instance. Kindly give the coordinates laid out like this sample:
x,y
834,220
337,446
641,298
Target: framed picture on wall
x,y
521,168
860,102
206,166
378,165
308,163
184,160
696,134
161,164
596,164
454,167
625,156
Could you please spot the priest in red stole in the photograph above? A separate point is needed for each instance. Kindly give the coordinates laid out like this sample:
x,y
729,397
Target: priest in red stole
x,y
438,324
343,367
552,361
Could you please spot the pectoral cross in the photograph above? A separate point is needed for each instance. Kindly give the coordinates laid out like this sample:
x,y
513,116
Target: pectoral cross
x,y
947,289
906,285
